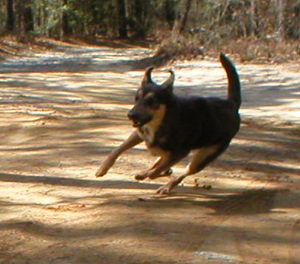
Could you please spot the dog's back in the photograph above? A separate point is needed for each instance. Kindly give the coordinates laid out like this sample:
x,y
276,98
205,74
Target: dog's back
x,y
194,122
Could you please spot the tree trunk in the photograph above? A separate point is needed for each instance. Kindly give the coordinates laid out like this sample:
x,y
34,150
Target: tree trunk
x,y
180,22
122,19
252,28
170,12
20,26
139,18
10,19
188,5
65,28
280,28
28,19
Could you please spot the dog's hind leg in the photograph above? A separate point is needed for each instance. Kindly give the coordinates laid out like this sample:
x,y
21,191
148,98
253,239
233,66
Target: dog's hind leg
x,y
200,160
162,165
132,141
143,175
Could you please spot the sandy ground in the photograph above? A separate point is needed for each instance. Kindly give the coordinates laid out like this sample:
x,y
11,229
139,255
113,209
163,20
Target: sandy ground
x,y
63,111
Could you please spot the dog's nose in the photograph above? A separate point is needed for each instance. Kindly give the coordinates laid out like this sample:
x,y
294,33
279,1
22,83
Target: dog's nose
x,y
133,115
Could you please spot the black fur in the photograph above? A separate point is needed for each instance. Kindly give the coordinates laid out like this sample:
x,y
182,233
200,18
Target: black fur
x,y
173,126
195,122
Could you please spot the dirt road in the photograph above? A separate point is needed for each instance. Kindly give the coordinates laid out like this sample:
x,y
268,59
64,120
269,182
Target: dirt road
x,y
63,111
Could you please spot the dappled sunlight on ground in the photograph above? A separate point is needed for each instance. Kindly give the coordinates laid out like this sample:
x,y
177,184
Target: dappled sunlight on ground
x,y
59,118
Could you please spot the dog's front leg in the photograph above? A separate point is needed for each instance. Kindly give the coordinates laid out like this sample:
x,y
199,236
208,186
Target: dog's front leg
x,y
132,141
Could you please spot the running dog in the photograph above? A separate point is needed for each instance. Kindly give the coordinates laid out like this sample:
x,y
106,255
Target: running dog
x,y
173,126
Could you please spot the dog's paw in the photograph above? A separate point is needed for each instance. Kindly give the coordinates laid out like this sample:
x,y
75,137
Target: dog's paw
x,y
140,177
163,189
168,172
166,189
105,166
100,172
151,174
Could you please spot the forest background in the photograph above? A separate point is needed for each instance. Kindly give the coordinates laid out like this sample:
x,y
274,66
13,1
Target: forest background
x,y
251,29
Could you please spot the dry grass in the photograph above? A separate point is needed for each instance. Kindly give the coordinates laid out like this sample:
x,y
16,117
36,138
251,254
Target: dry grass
x,y
269,49
168,48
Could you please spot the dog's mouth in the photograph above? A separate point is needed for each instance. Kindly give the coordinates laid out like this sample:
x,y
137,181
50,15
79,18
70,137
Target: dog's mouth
x,y
139,123
138,119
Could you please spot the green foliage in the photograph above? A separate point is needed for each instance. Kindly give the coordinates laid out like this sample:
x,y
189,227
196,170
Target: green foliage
x,y
180,25
2,17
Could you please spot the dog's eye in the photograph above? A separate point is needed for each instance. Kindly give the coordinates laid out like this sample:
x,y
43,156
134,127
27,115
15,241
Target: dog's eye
x,y
137,97
151,102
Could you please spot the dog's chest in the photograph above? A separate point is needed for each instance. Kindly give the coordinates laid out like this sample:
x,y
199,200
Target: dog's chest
x,y
149,134
149,131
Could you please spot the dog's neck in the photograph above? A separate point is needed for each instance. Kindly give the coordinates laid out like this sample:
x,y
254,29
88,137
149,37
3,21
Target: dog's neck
x,y
149,130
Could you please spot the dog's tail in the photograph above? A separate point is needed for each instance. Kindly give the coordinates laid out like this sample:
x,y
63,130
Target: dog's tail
x,y
234,86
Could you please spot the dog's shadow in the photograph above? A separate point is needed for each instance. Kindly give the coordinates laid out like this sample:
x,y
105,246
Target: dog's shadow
x,y
238,201
247,202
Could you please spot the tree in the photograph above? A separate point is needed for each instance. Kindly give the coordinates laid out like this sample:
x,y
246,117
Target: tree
x,y
10,18
280,28
138,18
252,26
170,12
184,19
205,20
65,29
122,19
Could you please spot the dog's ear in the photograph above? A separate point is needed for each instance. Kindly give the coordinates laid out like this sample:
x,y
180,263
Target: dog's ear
x,y
168,84
147,77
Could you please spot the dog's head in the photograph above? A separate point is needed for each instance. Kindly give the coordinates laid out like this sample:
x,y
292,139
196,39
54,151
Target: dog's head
x,y
150,99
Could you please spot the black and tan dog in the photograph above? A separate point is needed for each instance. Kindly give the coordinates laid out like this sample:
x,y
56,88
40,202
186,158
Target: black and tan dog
x,y
173,126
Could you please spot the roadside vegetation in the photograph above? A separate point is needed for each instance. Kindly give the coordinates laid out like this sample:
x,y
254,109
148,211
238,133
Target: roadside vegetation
x,y
252,30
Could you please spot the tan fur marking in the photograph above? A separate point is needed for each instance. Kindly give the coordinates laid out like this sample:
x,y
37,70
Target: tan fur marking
x,y
155,151
198,157
149,130
140,94
149,95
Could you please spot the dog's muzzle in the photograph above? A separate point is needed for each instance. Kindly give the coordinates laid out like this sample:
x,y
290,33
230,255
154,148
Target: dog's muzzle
x,y
137,119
